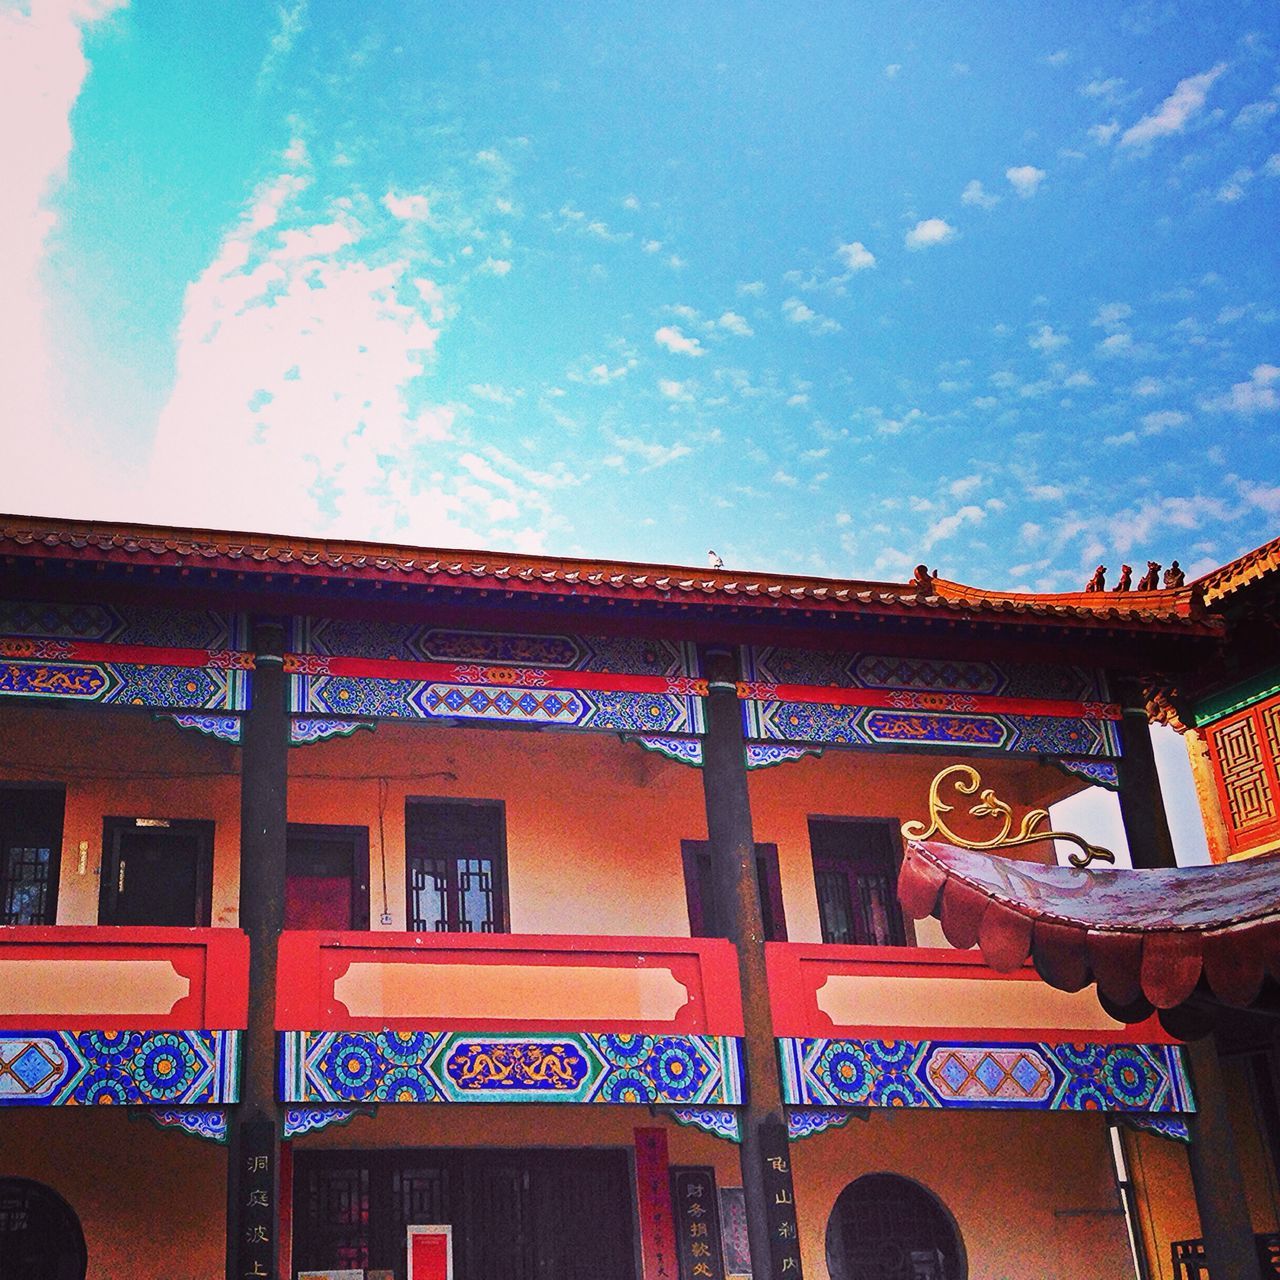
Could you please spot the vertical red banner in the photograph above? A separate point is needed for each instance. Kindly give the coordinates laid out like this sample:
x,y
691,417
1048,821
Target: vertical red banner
x,y
653,1196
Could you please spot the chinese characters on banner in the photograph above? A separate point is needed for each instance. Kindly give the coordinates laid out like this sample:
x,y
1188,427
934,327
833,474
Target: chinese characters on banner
x,y
653,1189
257,1193
697,1217
733,1233
784,1242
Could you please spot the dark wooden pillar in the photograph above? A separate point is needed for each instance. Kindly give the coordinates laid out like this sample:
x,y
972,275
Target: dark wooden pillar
x,y
1215,1172
1215,1166
253,1175
1146,827
764,1152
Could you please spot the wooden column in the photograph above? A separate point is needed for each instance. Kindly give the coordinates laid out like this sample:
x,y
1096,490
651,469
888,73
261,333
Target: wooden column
x,y
1215,1172
764,1152
1215,1167
253,1174
1146,827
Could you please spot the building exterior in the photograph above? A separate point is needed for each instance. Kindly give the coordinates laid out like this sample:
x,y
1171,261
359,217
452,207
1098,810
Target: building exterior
x,y
347,890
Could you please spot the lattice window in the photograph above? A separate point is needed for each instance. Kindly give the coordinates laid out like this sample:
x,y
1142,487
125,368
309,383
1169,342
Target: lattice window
x,y
455,866
1245,750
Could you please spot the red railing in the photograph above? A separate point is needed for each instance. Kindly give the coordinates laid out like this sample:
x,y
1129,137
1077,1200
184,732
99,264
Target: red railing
x,y
77,978
928,993
506,982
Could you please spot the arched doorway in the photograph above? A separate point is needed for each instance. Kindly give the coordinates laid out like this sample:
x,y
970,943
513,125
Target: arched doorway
x,y
884,1227
40,1236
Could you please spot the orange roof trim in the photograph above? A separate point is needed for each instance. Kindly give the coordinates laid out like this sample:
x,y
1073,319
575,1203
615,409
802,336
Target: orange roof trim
x,y
33,537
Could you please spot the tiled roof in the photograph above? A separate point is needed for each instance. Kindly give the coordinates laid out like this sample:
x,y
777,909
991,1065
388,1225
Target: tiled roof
x,y
254,554
1248,568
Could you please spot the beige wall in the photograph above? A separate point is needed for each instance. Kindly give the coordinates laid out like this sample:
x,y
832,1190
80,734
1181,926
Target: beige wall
x,y
593,824
1031,1193
151,1202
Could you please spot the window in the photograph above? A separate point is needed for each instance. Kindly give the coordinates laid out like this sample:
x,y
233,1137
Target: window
x,y
1245,750
855,871
30,849
327,877
40,1235
456,865
704,921
893,1229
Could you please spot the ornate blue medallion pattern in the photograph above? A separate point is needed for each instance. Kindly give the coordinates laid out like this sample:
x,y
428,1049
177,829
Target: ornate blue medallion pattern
x,y
126,684
125,1068
124,624
935,1073
347,1067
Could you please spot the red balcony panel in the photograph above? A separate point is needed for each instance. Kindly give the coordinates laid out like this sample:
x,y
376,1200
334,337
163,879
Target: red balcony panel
x,y
94,977
927,993
506,982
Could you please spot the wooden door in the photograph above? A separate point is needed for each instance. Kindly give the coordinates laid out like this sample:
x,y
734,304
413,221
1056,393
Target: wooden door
x,y
156,872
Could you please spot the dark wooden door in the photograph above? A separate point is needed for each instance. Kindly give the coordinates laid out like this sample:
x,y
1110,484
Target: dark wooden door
x,y
704,919
516,1215
326,877
156,875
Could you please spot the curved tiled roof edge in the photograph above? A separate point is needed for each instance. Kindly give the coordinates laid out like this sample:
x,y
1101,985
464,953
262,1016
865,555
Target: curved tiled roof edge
x,y
1240,572
29,537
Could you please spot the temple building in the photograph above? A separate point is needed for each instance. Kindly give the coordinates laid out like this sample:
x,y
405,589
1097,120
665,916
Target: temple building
x,y
375,911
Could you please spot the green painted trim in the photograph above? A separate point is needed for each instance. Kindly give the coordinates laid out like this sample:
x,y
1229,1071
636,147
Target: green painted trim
x,y
1237,697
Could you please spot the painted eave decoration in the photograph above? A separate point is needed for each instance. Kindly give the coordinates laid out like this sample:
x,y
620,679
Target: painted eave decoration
x,y
262,556
1150,939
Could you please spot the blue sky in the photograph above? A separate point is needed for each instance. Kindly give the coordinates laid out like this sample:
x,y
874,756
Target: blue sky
x,y
831,289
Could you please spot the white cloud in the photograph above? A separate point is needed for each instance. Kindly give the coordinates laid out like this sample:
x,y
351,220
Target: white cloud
x,y
948,526
892,70
1047,340
856,256
1163,420
1172,115
1112,315
42,70
411,208
1103,133
674,390
675,341
732,322
1272,166
1261,394
492,393
796,312
292,20
1058,58
1234,187
1105,90
966,485
631,202
495,266
652,454
1025,179
752,289
974,194
1145,387
1255,113
1116,344
652,246
929,231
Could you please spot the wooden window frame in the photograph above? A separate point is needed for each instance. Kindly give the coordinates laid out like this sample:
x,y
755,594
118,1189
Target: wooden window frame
x,y
897,850
692,854
502,906
1243,839
108,888
54,880
358,837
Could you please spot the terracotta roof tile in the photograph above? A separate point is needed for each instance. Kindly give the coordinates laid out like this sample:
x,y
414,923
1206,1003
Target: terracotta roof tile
x,y
247,552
